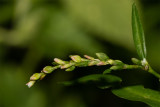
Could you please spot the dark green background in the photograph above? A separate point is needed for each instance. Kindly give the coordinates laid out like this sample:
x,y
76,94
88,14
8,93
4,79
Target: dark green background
x,y
34,32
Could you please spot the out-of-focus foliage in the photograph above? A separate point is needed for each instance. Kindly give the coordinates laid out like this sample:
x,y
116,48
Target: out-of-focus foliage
x,y
33,32
104,18
99,80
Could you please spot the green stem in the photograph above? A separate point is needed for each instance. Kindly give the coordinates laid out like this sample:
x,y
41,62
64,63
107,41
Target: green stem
x,y
132,66
153,72
77,61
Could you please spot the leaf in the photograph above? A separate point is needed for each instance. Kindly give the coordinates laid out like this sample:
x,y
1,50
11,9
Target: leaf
x,y
138,34
99,80
139,93
102,56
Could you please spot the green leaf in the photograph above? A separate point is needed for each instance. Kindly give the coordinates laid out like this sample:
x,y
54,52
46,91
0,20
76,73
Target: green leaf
x,y
99,80
70,68
102,56
139,93
138,34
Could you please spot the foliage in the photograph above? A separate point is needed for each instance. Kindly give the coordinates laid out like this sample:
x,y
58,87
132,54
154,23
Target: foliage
x,y
33,32
139,93
135,93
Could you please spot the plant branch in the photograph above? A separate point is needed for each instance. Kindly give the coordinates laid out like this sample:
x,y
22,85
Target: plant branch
x,y
77,61
150,70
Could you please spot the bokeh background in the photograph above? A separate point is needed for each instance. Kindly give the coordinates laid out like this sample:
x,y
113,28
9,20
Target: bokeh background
x,y
33,32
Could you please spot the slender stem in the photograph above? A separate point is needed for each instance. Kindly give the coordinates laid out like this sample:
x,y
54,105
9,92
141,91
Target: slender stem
x,y
153,72
77,61
132,66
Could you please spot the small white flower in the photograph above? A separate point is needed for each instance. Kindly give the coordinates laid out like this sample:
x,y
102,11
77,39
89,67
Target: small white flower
x,y
144,62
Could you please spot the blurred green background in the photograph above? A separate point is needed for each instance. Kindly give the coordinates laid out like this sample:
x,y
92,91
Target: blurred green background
x,y
33,32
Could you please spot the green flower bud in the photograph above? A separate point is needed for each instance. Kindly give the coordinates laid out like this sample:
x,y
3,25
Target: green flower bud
x,y
66,66
136,61
82,64
42,76
71,68
93,63
118,62
83,59
30,83
35,76
76,58
102,56
89,57
110,61
101,63
48,69
59,61
116,67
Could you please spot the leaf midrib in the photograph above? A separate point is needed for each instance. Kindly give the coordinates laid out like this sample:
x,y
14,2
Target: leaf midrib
x,y
140,95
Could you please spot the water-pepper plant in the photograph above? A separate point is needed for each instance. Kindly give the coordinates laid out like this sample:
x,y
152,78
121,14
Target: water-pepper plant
x,y
106,79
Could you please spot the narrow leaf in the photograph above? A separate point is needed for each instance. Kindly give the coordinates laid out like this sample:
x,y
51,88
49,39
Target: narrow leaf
x,y
138,34
99,80
139,93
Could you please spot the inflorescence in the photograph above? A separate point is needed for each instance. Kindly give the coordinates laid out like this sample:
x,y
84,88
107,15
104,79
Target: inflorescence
x,y
77,61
